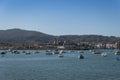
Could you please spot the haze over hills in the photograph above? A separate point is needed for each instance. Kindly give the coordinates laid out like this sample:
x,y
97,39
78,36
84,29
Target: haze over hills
x,y
26,36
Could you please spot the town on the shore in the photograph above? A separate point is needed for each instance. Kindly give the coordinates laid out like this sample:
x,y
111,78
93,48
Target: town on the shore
x,y
60,45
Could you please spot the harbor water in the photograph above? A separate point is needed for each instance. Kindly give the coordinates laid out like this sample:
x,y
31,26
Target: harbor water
x,y
39,66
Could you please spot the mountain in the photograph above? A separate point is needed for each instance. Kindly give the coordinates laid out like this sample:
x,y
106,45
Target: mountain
x,y
26,36
90,38
23,36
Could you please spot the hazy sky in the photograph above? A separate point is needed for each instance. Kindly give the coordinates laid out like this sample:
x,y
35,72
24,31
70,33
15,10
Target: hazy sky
x,y
60,17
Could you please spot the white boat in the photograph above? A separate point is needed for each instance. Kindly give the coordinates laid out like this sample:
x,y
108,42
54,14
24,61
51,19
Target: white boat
x,y
96,52
27,53
104,54
60,55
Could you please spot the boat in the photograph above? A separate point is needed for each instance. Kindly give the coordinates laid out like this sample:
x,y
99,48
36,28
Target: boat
x,y
49,52
16,52
80,51
3,53
27,53
56,52
96,52
104,54
60,54
36,52
117,52
23,51
80,56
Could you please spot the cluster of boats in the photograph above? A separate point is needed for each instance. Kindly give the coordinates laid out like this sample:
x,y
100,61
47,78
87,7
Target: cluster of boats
x,y
17,52
99,52
60,53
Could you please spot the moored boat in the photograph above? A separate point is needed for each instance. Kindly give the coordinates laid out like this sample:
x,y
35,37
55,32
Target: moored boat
x,y
117,52
104,54
96,52
56,52
60,55
80,56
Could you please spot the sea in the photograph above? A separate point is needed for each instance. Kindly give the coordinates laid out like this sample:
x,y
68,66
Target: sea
x,y
39,66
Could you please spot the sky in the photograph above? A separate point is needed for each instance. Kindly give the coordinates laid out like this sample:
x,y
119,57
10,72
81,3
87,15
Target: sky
x,y
62,17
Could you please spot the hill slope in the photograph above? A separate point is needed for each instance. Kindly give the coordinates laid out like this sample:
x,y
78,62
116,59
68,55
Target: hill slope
x,y
23,36
26,36
89,38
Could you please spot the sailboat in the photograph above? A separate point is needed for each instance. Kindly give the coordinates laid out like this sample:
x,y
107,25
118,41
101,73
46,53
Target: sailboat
x,y
60,54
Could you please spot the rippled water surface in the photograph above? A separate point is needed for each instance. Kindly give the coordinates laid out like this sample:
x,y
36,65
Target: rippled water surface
x,y
50,67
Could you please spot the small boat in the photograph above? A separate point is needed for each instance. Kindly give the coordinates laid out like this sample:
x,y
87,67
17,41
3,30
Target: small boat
x,y
36,52
117,52
27,53
104,54
23,51
90,50
49,52
3,53
16,52
60,55
56,52
80,56
96,52
80,51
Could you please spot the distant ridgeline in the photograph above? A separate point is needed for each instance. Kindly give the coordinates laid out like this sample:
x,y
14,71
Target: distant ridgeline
x,y
18,37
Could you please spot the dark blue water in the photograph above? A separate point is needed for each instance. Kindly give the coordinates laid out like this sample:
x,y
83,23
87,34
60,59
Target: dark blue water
x,y
43,67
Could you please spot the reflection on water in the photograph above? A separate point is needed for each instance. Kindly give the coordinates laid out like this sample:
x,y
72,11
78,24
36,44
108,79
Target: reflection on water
x,y
50,67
